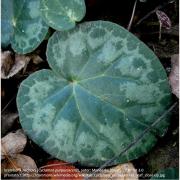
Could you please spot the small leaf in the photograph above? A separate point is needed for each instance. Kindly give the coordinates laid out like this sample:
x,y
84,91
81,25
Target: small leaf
x,y
174,75
163,19
22,26
62,14
13,143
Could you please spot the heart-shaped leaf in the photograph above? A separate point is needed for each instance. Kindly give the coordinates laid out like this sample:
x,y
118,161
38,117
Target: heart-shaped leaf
x,y
62,14
104,89
22,25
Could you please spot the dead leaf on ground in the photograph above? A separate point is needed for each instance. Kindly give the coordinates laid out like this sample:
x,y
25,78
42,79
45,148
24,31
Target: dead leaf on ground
x,y
7,121
13,143
11,64
6,62
36,59
174,75
21,164
121,172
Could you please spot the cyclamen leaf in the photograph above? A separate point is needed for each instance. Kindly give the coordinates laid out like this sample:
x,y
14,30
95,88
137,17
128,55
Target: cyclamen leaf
x,y
104,89
62,14
163,19
22,26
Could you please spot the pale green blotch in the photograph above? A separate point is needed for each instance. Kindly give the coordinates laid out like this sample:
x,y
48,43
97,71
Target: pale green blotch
x,y
63,126
108,53
33,11
71,14
45,117
150,92
85,139
127,68
76,47
39,91
95,41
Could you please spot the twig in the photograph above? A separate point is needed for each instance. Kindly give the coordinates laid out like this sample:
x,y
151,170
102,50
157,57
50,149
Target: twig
x,y
56,164
8,104
134,142
153,11
173,31
132,16
160,29
9,159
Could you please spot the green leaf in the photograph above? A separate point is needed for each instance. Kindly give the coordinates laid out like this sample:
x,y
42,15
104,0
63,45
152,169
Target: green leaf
x,y
170,173
22,26
62,14
104,89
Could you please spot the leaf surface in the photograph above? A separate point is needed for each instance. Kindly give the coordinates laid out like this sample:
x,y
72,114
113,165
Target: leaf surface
x,y
104,89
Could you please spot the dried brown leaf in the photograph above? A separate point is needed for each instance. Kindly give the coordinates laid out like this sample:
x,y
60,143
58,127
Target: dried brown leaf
x,y
36,59
121,172
174,75
20,164
6,62
13,143
11,65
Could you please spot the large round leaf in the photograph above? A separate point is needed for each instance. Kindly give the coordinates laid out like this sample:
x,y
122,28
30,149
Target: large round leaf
x,y
104,89
22,26
62,14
